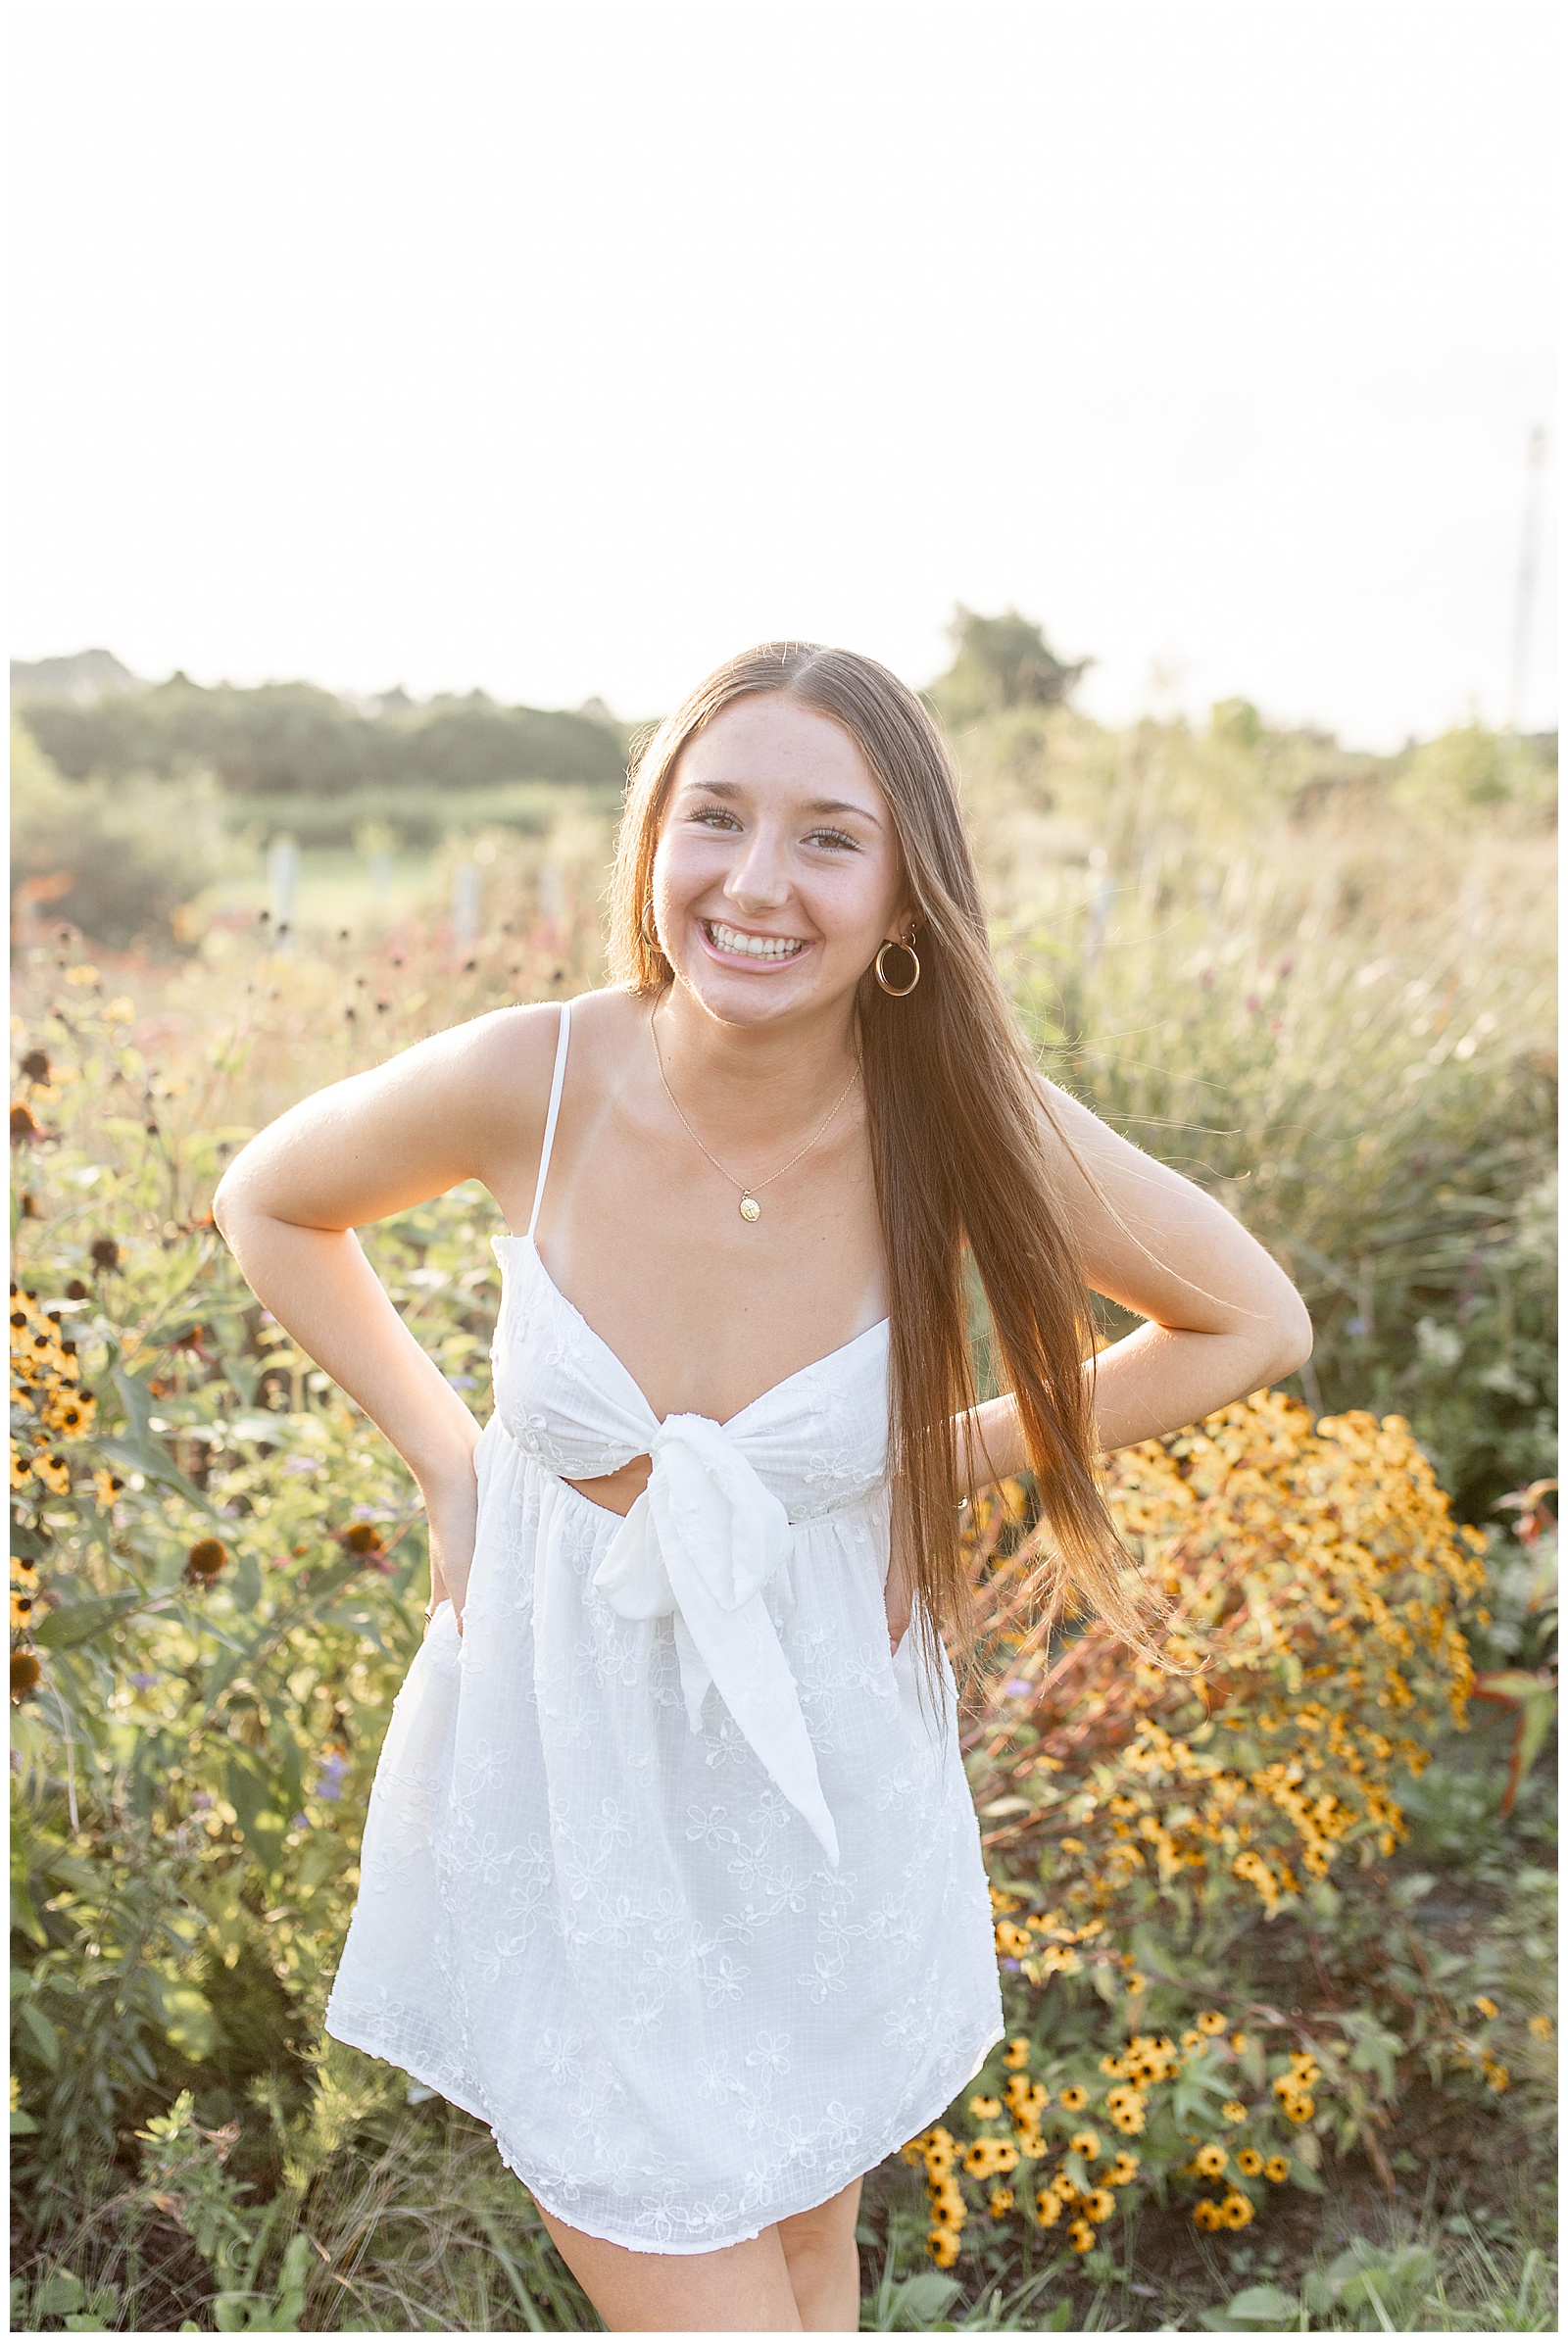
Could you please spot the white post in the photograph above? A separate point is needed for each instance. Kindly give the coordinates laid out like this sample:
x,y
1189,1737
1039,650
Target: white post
x,y
1100,902
282,880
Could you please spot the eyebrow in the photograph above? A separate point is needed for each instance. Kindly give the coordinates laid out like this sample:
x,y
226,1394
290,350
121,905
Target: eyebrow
x,y
815,805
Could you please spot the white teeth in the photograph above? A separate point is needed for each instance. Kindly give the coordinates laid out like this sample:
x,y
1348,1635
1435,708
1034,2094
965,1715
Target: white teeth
x,y
753,946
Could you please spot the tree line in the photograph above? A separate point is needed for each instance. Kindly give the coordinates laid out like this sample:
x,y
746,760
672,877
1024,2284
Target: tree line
x,y
294,739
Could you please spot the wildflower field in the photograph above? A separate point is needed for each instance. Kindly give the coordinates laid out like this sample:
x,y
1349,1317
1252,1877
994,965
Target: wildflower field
x,y
1275,1918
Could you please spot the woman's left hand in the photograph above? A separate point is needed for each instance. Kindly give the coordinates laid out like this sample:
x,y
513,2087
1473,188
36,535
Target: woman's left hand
x,y
452,1509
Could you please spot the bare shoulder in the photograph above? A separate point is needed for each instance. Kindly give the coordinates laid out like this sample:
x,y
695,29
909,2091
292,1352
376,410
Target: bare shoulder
x,y
502,1064
468,1102
1075,1138
509,1055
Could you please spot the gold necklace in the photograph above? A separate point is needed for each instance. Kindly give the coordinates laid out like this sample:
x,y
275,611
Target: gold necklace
x,y
751,1210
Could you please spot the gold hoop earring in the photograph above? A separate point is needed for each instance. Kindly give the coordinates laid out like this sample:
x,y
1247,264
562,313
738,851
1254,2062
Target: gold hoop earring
x,y
652,940
898,992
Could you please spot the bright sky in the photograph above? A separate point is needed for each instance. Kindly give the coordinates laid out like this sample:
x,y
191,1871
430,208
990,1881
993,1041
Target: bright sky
x,y
566,349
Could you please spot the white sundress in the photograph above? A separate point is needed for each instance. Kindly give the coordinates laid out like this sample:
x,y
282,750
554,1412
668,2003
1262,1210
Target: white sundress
x,y
670,1874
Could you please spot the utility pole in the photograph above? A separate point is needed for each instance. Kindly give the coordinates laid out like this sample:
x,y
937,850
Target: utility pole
x,y
1524,600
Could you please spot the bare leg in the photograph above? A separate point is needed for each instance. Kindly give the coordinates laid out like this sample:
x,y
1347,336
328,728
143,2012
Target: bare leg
x,y
742,2288
823,2265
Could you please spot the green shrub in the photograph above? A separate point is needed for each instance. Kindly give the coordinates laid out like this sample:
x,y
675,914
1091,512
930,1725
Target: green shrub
x,y
114,857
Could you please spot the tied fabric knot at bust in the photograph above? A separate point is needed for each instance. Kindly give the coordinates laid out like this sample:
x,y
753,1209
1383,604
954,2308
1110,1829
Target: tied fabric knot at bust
x,y
698,1547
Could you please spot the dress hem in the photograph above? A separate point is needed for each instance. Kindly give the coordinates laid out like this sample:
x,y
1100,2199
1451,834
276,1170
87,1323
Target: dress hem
x,y
718,2244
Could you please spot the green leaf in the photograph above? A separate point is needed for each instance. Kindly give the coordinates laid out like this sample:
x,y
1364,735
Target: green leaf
x,y
137,1401
1259,2308
1197,2091
246,1585
77,1623
45,2039
253,1793
23,1917
1540,1711
1373,2048
917,2304
153,1464
58,2295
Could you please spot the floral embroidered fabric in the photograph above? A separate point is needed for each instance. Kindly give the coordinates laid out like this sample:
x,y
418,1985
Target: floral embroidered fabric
x,y
670,1874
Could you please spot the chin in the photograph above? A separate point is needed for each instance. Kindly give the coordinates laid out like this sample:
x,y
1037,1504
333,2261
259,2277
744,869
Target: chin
x,y
736,996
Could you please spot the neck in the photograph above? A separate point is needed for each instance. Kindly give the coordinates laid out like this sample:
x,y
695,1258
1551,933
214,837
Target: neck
x,y
754,1078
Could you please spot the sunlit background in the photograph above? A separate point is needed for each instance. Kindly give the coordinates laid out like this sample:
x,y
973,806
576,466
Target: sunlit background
x,y
559,352
534,359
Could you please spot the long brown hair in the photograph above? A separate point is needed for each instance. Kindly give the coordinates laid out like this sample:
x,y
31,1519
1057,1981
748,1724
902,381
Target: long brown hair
x,y
953,1107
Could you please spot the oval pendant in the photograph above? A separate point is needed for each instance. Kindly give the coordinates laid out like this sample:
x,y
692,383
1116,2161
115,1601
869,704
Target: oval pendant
x,y
750,1209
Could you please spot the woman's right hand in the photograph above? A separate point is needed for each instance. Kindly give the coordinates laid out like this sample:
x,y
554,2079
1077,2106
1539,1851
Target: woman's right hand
x,y
452,1510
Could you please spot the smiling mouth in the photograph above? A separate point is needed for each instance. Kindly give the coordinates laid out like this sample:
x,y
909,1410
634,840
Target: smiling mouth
x,y
736,944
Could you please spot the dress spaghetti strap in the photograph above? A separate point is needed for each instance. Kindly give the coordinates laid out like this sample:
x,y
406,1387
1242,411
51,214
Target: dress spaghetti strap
x,y
556,1081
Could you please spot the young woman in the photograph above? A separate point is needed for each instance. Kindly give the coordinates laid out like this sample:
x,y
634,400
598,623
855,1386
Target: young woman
x,y
670,1871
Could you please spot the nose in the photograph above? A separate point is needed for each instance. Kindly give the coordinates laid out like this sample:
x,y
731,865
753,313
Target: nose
x,y
758,879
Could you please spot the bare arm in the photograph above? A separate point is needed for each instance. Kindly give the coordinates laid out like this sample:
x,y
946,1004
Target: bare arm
x,y
457,1106
1222,1318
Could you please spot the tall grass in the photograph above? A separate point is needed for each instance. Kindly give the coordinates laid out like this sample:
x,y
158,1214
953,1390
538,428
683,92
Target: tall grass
x,y
1336,1011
